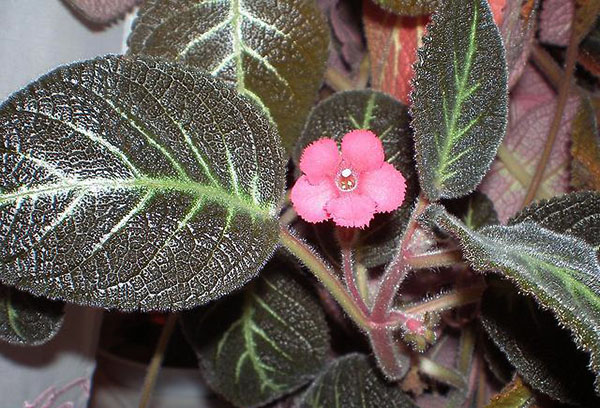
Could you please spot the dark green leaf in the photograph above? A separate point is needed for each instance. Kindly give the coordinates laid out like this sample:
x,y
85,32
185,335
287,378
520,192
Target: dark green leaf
x,y
26,319
264,343
460,99
409,7
543,353
353,381
389,119
273,50
561,272
576,214
476,210
135,184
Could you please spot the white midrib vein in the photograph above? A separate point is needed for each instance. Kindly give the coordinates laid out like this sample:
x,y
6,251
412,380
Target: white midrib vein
x,y
96,185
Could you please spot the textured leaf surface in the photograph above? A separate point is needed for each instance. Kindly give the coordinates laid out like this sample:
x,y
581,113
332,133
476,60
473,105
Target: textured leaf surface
x,y
389,119
585,149
263,344
26,319
460,99
561,272
543,353
392,41
273,50
353,381
576,214
532,106
102,11
135,184
555,21
409,7
518,30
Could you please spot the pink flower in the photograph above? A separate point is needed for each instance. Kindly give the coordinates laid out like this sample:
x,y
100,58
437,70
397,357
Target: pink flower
x,y
350,187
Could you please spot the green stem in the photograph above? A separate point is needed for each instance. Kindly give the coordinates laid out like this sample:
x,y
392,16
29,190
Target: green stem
x,y
325,274
436,259
157,359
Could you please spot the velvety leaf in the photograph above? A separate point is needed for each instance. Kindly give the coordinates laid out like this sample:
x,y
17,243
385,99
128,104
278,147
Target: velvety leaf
x,y
555,21
353,381
585,149
518,30
135,184
542,352
26,319
264,343
576,214
460,97
475,210
561,272
514,395
273,50
102,11
532,107
389,119
409,7
392,41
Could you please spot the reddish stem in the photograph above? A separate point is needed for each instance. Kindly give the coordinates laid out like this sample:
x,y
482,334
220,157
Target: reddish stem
x,y
388,356
398,268
350,279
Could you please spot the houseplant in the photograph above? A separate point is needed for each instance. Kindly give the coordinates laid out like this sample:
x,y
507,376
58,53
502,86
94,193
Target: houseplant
x,y
155,181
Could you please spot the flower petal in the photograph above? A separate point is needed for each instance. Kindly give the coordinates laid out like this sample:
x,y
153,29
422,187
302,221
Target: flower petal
x,y
386,186
363,150
351,210
309,200
320,159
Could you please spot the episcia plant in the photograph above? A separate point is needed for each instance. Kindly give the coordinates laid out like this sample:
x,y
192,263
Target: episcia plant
x,y
335,255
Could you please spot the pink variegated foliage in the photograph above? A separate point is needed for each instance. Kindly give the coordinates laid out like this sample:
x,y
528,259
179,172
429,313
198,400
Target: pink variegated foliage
x,y
555,21
102,11
532,106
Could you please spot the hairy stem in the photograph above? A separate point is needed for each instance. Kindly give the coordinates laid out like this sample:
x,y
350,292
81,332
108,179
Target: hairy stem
x,y
454,299
156,361
436,259
397,269
563,94
387,353
350,279
325,274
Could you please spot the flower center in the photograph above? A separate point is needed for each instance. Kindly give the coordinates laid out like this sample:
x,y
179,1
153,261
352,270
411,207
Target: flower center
x,y
346,180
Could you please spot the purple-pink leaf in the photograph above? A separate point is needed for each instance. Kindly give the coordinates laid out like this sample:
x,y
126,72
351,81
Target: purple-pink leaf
x,y
518,29
532,107
555,21
102,11
348,47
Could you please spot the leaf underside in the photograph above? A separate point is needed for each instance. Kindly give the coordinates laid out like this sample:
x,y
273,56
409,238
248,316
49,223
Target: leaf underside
x,y
275,51
459,100
561,272
354,381
135,184
388,118
26,319
263,344
409,7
